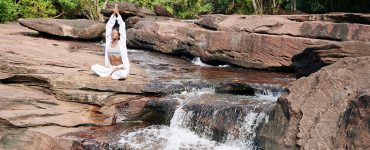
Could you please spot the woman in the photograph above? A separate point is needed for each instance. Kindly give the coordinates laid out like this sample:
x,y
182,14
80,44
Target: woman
x,y
116,60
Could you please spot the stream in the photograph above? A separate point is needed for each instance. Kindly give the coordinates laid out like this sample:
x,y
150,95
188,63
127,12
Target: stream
x,y
223,111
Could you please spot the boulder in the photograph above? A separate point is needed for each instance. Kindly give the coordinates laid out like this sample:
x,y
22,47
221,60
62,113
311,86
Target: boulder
x,y
77,29
238,46
326,110
127,10
333,17
314,58
162,11
282,25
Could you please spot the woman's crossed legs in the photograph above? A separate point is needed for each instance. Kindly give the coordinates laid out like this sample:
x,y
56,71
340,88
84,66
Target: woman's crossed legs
x,y
103,71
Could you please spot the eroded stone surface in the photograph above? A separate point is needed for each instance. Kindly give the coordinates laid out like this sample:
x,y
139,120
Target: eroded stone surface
x,y
322,110
77,29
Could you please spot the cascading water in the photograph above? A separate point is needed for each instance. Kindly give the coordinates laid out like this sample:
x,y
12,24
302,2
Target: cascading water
x,y
207,120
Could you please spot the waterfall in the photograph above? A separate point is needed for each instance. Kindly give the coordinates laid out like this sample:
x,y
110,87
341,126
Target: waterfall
x,y
206,120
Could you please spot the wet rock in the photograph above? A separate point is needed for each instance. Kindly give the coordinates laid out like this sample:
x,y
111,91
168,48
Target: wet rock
x,y
159,110
326,110
235,88
76,29
127,10
173,87
128,110
225,117
250,88
103,138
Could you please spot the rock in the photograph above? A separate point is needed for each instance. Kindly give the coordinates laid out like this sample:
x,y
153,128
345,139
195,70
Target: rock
x,y
313,59
333,17
281,25
159,110
47,92
162,11
13,137
76,29
247,41
34,108
127,10
148,34
211,21
326,110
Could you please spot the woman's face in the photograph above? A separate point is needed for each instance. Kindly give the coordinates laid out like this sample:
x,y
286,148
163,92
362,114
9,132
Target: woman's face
x,y
115,34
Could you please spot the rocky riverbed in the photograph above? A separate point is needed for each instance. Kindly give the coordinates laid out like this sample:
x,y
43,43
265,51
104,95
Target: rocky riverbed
x,y
49,93
49,98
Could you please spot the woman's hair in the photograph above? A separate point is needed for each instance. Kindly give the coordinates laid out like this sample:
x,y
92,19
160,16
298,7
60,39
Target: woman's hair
x,y
116,27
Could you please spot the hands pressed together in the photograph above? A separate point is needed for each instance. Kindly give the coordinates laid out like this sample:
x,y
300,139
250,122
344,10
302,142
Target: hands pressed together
x,y
116,10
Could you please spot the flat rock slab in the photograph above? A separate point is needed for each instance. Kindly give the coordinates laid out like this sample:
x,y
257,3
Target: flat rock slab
x,y
77,29
27,107
251,41
284,25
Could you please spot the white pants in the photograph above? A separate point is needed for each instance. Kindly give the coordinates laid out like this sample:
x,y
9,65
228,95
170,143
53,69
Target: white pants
x,y
103,71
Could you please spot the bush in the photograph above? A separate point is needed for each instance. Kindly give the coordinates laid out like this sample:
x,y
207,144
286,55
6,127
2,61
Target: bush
x,y
7,11
36,9
180,8
68,8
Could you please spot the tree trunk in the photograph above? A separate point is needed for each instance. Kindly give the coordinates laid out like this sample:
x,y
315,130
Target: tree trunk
x,y
255,6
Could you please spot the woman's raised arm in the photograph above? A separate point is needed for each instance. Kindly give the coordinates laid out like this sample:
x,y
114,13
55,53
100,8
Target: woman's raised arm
x,y
122,27
109,27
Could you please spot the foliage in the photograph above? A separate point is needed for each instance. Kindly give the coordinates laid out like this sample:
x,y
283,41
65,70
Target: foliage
x,y
232,6
67,8
7,10
12,9
323,6
36,8
181,8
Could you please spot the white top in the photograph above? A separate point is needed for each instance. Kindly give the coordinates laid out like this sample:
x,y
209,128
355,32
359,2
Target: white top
x,y
121,43
114,50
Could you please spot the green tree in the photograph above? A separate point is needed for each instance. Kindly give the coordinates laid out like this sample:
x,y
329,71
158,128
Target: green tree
x,y
36,9
68,8
8,11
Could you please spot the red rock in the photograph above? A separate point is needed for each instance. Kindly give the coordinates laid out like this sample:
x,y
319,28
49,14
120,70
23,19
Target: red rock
x,y
326,110
76,29
162,11
282,25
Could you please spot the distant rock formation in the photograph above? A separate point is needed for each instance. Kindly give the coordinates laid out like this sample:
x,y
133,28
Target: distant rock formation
x,y
77,29
262,42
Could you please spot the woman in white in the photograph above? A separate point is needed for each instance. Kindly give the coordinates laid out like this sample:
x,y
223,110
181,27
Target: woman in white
x,y
116,60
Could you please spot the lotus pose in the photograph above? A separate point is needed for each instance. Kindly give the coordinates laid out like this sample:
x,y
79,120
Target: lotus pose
x,y
116,60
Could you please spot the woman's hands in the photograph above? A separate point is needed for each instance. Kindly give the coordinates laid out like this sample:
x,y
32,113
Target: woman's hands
x,y
115,68
116,10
